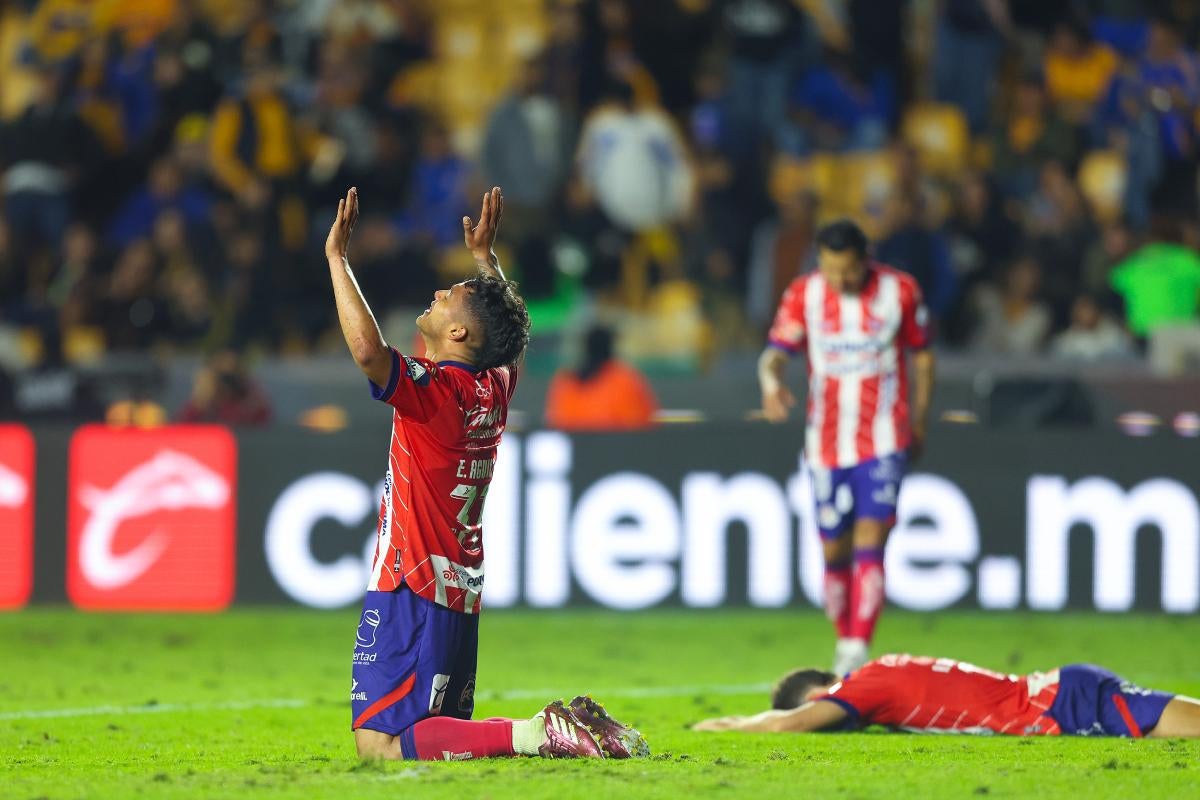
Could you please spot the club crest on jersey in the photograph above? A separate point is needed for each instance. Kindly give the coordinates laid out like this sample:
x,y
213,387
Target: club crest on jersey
x,y
417,371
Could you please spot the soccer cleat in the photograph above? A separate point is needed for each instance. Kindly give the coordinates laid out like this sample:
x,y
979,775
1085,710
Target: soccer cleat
x,y
566,736
849,655
616,739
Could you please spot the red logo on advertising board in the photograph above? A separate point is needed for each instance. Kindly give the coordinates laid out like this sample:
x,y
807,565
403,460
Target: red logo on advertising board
x,y
16,515
150,518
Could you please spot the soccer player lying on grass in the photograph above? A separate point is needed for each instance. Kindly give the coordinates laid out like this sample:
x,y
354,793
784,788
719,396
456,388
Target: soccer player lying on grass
x,y
413,686
940,695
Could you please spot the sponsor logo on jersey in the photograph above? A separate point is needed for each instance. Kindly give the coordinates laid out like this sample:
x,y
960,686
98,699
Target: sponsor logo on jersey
x,y
16,515
466,700
437,693
151,518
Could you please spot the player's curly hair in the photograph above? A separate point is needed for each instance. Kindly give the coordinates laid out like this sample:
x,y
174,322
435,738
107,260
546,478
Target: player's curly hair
x,y
496,305
789,692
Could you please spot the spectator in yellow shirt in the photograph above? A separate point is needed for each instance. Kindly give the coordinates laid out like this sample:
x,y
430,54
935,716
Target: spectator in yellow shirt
x,y
1078,70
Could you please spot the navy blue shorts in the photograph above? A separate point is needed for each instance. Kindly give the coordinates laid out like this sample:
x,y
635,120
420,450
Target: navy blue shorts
x,y
412,659
865,491
1092,701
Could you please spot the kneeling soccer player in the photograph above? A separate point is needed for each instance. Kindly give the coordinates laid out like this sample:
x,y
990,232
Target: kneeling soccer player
x,y
413,690
940,695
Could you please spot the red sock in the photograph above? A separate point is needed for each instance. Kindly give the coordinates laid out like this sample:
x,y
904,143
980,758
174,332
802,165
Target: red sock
x,y
866,594
450,739
837,597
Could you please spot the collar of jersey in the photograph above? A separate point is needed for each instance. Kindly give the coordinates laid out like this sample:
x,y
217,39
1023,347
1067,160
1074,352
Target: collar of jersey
x,y
459,364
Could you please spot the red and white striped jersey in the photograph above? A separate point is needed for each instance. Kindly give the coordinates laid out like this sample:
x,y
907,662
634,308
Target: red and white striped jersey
x,y
857,371
445,431
941,695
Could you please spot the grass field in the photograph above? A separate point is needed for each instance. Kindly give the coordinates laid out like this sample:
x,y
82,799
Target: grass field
x,y
253,703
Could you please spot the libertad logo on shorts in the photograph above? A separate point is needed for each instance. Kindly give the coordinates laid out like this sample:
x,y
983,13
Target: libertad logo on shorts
x,y
16,515
151,518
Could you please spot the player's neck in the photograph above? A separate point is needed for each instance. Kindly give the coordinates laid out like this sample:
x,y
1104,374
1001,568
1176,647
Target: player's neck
x,y
439,351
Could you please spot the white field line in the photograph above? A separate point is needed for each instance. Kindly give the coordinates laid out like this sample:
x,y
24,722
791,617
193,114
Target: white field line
x,y
634,692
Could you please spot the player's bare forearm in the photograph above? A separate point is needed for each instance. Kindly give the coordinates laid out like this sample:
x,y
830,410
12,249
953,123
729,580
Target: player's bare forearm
x,y
490,265
923,375
777,399
359,328
771,366
813,716
924,372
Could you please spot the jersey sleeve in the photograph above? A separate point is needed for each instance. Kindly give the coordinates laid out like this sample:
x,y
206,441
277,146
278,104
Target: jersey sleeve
x,y
788,331
861,695
417,389
914,317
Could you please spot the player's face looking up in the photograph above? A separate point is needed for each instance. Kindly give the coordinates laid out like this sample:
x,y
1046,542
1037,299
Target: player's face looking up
x,y
845,270
447,317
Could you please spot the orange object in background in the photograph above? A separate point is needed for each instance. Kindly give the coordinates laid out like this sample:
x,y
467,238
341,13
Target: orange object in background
x,y
603,395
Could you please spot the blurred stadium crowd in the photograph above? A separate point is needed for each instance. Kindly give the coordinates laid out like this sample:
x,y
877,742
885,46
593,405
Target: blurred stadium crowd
x,y
169,167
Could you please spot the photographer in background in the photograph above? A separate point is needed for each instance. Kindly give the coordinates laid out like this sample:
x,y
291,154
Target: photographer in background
x,y
225,393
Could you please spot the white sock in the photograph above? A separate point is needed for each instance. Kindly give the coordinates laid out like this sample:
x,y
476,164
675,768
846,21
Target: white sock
x,y
528,735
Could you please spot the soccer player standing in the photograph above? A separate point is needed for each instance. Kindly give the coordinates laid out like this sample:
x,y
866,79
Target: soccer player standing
x,y
856,320
415,653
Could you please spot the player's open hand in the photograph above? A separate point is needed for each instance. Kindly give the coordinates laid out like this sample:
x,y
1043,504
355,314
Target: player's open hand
x,y
777,403
480,236
338,241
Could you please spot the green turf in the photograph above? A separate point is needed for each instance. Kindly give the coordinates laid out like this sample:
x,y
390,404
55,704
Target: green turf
x,y
54,659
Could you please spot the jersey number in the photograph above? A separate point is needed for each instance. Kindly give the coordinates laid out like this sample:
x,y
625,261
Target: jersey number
x,y
470,513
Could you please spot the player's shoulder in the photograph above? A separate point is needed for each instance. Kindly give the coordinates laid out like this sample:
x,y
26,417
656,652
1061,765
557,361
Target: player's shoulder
x,y
908,284
500,378
444,376
799,285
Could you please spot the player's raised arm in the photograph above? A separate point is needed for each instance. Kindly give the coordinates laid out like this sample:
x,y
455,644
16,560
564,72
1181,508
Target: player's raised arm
x,y
359,328
480,236
812,716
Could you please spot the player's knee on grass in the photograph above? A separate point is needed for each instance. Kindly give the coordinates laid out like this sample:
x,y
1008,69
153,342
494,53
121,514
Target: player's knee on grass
x,y
1180,719
376,744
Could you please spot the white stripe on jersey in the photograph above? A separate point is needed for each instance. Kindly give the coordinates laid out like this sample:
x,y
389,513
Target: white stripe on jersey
x,y
384,533
814,315
887,304
849,388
